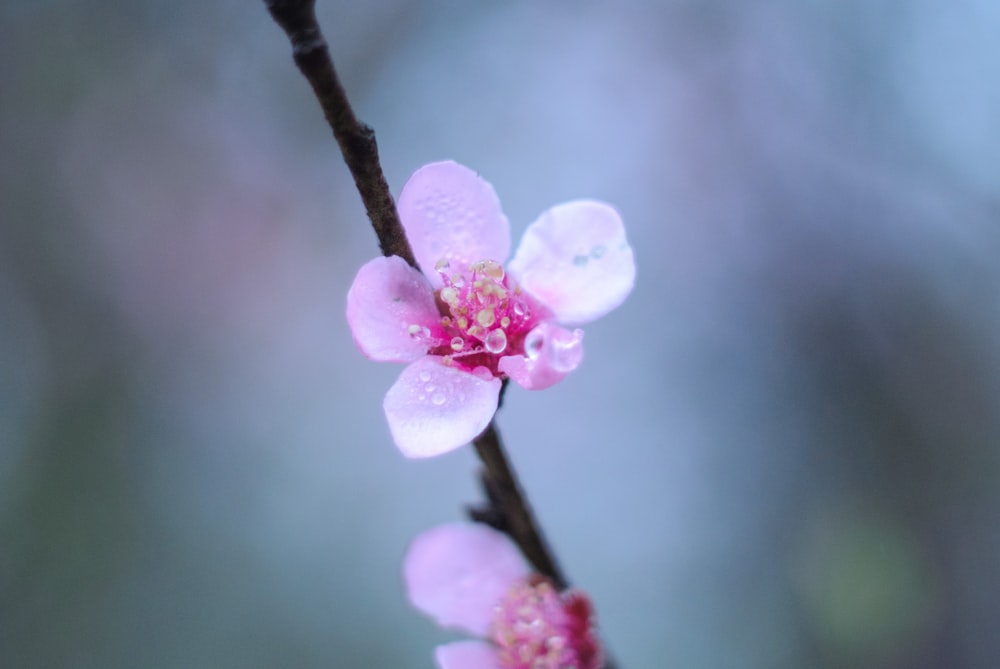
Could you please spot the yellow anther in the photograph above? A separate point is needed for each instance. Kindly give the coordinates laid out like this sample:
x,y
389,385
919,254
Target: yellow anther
x,y
492,269
485,318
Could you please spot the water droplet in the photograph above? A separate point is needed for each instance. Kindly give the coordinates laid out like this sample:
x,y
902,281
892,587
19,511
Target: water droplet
x,y
424,376
496,341
430,387
457,343
565,352
418,332
533,344
422,397
580,260
438,399
598,251
520,309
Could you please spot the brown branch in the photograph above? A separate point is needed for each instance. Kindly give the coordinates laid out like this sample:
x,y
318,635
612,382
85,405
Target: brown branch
x,y
508,508
357,141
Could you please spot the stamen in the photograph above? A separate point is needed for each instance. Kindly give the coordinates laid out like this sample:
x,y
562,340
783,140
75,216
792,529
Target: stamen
x,y
485,318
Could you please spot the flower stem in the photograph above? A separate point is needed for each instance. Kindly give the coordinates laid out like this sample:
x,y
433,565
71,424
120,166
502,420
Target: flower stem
x,y
508,509
357,140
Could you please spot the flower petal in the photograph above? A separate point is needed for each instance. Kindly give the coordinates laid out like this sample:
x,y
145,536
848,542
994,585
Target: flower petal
x,y
551,352
450,213
385,300
467,655
433,409
457,573
575,259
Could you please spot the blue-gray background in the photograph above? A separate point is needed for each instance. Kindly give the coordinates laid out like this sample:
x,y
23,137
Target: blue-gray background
x,y
780,452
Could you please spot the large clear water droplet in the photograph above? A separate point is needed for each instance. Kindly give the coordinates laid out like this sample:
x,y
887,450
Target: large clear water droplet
x,y
496,341
533,344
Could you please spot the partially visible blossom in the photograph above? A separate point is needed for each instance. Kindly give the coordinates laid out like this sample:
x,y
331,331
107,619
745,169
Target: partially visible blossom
x,y
467,322
471,577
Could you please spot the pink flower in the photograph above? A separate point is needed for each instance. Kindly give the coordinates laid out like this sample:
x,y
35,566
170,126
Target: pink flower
x,y
472,577
466,322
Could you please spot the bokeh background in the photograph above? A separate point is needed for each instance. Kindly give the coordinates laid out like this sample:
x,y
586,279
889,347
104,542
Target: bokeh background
x,y
782,451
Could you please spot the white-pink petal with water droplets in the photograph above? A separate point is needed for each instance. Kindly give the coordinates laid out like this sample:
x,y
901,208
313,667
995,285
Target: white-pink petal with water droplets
x,y
550,353
576,260
434,408
451,213
391,311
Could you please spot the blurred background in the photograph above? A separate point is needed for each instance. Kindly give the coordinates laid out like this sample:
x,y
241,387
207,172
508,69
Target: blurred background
x,y
782,451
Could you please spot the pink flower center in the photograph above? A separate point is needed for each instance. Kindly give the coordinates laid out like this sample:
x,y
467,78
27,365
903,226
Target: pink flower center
x,y
484,315
536,627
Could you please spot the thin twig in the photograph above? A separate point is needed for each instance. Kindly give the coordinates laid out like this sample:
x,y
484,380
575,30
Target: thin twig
x,y
357,141
510,508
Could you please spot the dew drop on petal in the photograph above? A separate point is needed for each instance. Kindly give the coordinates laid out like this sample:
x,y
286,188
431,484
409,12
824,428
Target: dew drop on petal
x,y
425,376
496,341
437,399
430,387
533,344
457,343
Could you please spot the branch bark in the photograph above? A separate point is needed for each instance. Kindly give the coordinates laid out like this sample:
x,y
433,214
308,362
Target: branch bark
x,y
356,140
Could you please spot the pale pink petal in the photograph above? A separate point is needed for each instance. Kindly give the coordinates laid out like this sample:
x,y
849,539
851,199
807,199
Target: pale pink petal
x,y
457,573
433,408
551,352
391,311
467,655
575,260
451,214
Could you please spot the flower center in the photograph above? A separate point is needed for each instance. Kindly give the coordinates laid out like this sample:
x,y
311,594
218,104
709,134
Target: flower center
x,y
535,627
484,313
